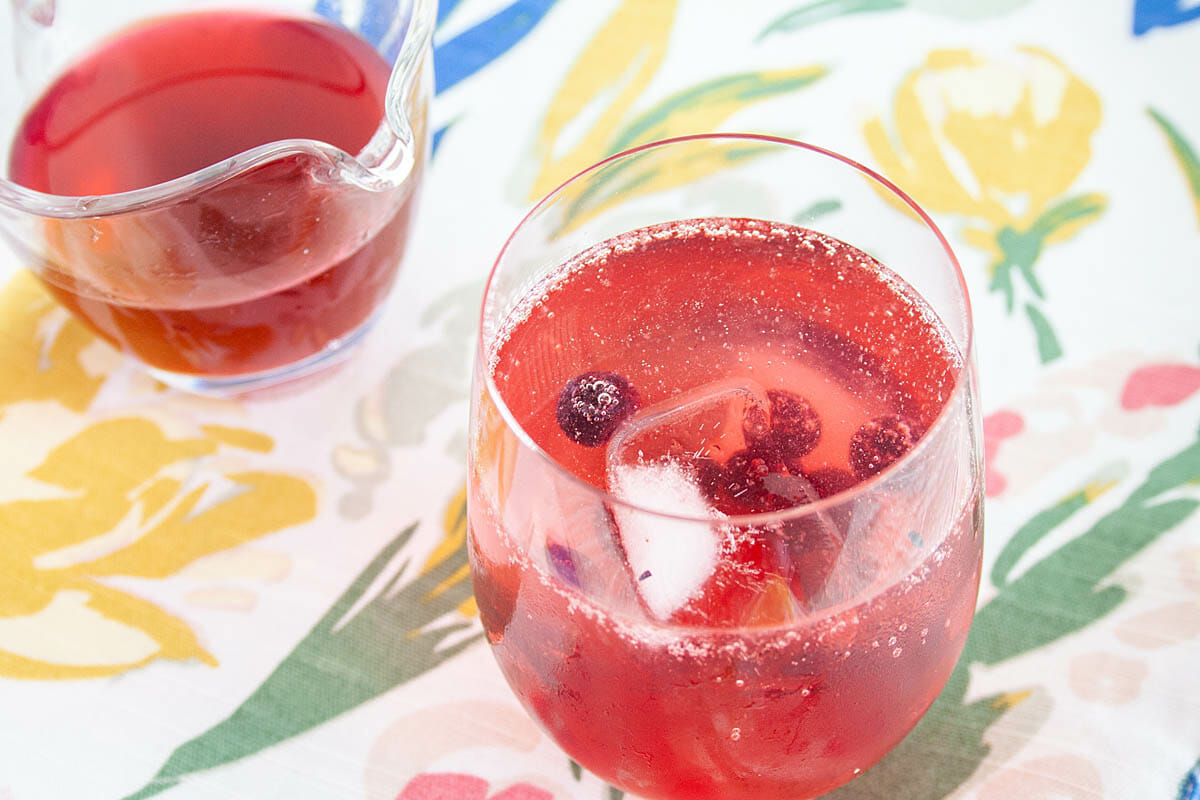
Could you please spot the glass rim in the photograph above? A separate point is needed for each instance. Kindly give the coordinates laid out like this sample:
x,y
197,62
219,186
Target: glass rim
x,y
962,378
22,199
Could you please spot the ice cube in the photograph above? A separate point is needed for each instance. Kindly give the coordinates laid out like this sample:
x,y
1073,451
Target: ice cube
x,y
669,559
704,425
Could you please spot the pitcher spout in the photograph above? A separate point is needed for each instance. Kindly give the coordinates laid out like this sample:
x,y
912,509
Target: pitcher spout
x,y
401,143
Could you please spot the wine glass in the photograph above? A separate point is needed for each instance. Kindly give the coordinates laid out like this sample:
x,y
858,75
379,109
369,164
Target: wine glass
x,y
725,478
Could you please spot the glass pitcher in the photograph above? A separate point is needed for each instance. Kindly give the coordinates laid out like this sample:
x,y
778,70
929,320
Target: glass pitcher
x,y
257,268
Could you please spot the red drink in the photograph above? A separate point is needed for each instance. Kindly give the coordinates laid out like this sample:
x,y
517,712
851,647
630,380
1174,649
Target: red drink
x,y
257,271
771,367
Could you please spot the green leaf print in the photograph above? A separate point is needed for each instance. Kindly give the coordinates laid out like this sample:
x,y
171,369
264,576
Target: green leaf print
x,y
1032,532
701,107
1047,342
343,662
1185,154
817,209
1055,597
823,10
729,91
1020,251
613,793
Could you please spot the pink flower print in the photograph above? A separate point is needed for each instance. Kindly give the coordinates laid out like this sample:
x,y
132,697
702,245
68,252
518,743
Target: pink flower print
x,y
445,786
523,791
1160,385
996,428
1107,678
455,786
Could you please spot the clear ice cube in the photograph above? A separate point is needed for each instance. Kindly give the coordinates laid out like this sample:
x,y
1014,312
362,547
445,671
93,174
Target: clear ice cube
x,y
669,560
656,461
675,458
701,427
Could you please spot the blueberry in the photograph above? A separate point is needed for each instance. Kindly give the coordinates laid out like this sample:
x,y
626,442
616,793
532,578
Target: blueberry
x,y
743,479
829,481
795,422
593,404
880,443
757,481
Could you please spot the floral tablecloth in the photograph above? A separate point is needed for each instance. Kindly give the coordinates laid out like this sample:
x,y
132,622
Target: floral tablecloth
x,y
269,598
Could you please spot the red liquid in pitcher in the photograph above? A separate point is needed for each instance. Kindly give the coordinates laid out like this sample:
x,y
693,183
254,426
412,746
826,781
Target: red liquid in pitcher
x,y
768,367
244,276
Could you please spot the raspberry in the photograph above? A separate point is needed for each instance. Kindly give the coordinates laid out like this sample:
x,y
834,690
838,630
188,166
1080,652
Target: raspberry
x,y
829,481
880,443
593,404
756,481
795,425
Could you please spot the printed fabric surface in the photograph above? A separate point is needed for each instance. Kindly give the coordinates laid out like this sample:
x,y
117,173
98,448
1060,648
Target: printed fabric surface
x,y
217,599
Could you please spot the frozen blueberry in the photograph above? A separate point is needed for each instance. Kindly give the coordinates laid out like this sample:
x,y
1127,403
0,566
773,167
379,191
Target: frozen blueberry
x,y
829,481
880,443
591,406
755,423
743,479
795,426
756,481
709,475
812,547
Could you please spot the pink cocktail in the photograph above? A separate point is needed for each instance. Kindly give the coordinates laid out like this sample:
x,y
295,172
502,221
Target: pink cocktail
x,y
725,485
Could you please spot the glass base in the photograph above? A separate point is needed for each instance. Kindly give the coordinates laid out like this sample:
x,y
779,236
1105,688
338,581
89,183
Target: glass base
x,y
336,352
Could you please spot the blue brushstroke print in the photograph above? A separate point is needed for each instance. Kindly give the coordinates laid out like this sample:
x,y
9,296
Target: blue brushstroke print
x,y
456,59
437,137
1149,14
444,9
478,46
1189,789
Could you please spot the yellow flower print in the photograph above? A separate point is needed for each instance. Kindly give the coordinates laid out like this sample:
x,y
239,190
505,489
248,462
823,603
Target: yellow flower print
x,y
454,541
603,107
998,141
47,354
83,504
615,67
147,515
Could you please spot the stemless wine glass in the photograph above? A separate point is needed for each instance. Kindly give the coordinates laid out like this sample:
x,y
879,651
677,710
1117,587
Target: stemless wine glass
x,y
250,270
688,612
